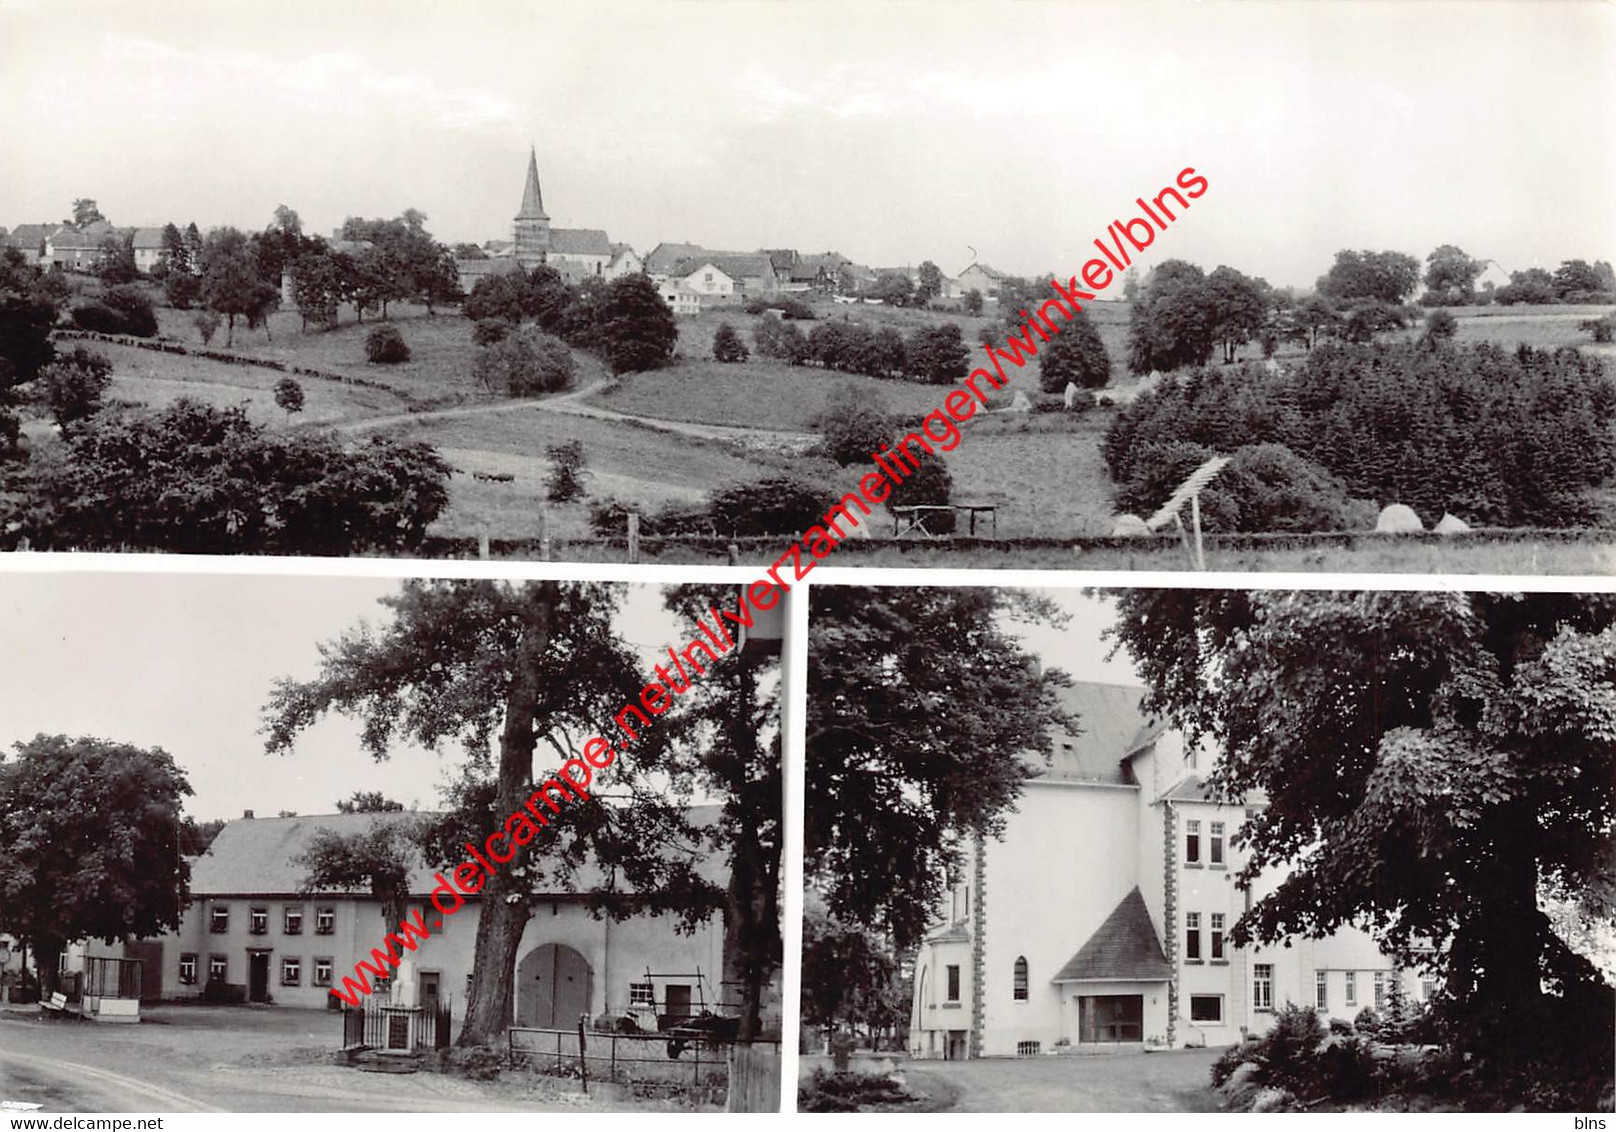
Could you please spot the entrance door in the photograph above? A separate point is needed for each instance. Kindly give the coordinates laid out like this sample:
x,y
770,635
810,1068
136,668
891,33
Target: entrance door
x,y
150,954
427,983
552,987
258,976
1111,1018
678,1000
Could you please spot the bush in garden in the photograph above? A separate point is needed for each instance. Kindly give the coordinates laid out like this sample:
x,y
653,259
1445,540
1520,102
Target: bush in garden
x,y
567,472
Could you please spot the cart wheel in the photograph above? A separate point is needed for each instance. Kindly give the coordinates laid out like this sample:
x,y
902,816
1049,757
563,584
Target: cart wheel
x,y
675,1048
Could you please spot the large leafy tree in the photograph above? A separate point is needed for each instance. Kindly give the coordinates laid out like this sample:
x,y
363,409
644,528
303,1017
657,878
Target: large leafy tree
x,y
1238,305
89,843
503,672
1430,760
1075,355
1386,277
923,720
850,976
231,284
376,861
634,325
1174,324
1450,275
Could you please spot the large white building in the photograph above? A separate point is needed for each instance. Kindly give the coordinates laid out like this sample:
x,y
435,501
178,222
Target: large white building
x,y
253,925
1101,918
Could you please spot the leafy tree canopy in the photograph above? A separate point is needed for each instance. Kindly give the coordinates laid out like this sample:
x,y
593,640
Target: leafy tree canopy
x,y
89,843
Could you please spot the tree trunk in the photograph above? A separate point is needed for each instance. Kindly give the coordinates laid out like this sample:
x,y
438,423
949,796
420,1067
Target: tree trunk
x,y
1506,939
47,958
230,335
751,907
504,905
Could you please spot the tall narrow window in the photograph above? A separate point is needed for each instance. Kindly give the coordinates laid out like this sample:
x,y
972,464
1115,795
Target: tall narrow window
x,y
325,921
1216,847
1192,936
219,921
188,968
1020,991
1380,990
293,919
1321,989
953,982
1217,935
258,921
1192,843
1427,987
1262,986
1352,988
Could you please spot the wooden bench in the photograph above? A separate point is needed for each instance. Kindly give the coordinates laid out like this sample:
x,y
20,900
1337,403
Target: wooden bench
x,y
55,1005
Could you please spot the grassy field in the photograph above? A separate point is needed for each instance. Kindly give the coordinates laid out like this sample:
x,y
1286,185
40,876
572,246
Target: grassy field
x,y
1044,473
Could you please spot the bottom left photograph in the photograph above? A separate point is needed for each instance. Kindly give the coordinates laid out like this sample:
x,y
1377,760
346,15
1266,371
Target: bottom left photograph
x,y
293,843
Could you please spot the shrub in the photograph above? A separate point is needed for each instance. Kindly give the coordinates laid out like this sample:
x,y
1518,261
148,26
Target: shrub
x,y
609,518
1077,355
937,354
776,338
1230,1060
1601,329
289,395
72,386
973,302
1440,325
491,330
776,505
930,483
134,307
1344,1069
566,479
854,424
787,308
207,324
1367,1021
727,345
181,290
495,296
98,317
849,1092
384,345
526,364
211,481
1288,1052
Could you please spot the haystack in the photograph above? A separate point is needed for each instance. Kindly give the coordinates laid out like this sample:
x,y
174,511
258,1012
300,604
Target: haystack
x,y
1398,519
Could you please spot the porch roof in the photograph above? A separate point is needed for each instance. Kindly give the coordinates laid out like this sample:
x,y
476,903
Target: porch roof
x,y
1122,949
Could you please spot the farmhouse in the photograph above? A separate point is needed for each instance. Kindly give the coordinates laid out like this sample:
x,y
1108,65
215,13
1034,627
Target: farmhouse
x,y
79,249
251,925
148,244
30,240
1100,919
981,278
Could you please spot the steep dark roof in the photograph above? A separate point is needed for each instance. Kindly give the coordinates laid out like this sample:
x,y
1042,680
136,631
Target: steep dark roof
x,y
580,241
1124,948
1109,717
255,856
30,236
665,256
532,198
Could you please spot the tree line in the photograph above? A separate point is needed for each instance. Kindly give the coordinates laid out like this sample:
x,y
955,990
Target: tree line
x,y
188,477
1497,437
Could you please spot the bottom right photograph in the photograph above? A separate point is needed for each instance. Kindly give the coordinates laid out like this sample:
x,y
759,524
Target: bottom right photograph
x,y
1248,850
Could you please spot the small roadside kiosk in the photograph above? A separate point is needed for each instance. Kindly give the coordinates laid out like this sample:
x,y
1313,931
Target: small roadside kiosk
x,y
111,990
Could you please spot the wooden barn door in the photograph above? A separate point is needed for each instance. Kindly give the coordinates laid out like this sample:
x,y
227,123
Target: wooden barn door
x,y
553,984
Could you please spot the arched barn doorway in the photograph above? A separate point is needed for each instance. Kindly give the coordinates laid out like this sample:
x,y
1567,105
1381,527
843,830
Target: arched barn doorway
x,y
553,985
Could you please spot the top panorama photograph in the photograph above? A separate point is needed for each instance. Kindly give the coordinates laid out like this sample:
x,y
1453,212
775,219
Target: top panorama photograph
x,y
1162,286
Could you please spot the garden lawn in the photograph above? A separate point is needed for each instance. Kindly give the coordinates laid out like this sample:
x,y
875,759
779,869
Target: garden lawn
x,y
1046,484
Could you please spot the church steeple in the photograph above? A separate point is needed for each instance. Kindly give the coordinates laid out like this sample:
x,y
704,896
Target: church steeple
x,y
532,198
532,227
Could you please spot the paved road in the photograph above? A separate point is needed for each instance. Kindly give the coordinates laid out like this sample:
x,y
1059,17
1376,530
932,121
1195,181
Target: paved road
x,y
1176,1081
197,1059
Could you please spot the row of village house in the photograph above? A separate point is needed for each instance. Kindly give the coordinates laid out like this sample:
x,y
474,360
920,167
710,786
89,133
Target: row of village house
x,y
689,277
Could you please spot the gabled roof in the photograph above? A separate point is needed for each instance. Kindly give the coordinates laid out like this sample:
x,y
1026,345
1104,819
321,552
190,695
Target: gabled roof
x,y
734,265
579,241
1108,715
90,236
665,256
954,933
532,198
30,235
1124,948
147,238
992,273
504,265
255,856
685,268
621,250
783,259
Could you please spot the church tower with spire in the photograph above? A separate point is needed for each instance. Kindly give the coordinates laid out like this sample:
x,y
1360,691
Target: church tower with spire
x,y
532,224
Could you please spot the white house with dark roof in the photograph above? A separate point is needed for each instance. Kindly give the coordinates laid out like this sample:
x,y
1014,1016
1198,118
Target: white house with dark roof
x,y
981,278
1100,918
30,240
252,924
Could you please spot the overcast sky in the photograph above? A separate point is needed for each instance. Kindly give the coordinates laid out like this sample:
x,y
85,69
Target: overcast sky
x,y
186,663
891,132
